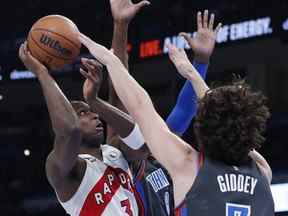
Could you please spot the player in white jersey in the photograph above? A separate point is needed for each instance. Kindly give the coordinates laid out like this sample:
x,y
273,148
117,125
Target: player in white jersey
x,y
98,183
89,178
106,188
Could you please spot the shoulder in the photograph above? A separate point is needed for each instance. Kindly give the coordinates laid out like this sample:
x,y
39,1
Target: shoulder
x,y
110,151
113,157
265,171
262,164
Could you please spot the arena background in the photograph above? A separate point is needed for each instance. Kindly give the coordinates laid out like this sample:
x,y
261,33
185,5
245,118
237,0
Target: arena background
x,y
252,44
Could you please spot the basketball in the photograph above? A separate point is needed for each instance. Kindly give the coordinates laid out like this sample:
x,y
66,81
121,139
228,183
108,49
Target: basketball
x,y
53,40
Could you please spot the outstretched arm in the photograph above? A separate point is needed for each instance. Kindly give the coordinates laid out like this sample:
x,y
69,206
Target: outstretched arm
x,y
123,11
64,121
185,109
154,129
187,70
121,122
202,45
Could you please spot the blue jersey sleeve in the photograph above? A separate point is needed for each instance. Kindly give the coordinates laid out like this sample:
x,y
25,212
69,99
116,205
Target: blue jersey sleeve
x,y
185,109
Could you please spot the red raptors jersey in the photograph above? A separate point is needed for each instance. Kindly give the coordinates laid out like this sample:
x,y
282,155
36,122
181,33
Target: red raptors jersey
x,y
106,189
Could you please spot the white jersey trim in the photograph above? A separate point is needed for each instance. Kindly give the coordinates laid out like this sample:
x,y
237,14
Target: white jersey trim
x,y
111,156
73,205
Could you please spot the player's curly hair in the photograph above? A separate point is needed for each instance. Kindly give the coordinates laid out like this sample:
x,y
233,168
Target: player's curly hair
x,y
230,122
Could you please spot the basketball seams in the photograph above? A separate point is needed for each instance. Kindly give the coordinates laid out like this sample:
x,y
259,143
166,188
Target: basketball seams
x,y
65,19
47,30
59,57
38,56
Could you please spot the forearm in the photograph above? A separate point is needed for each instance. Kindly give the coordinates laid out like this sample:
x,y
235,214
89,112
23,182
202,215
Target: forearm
x,y
140,106
62,114
197,82
185,109
64,122
119,46
129,91
121,122
119,41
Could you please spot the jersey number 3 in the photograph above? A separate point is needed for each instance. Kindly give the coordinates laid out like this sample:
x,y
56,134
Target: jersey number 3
x,y
126,204
237,210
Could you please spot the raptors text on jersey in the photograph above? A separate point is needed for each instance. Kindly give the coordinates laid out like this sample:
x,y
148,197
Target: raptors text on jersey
x,y
106,188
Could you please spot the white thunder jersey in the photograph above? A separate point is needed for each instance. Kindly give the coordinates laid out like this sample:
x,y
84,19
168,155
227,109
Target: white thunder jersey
x,y
106,189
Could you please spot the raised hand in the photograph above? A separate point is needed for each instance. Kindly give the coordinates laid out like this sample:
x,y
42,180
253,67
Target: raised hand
x,y
204,41
94,77
186,69
31,63
101,53
180,60
125,10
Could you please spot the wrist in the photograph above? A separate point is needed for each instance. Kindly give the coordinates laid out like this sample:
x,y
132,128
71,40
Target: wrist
x,y
190,73
120,27
135,139
41,73
121,22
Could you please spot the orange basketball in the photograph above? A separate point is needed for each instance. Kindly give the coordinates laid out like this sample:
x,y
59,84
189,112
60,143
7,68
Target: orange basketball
x,y
53,40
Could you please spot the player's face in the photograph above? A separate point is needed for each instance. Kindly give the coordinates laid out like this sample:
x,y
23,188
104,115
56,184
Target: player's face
x,y
90,125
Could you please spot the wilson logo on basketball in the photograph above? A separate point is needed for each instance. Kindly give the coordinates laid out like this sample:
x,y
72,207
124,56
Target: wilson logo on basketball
x,y
54,44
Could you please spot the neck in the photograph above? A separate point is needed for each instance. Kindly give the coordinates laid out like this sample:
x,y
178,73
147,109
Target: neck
x,y
94,151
